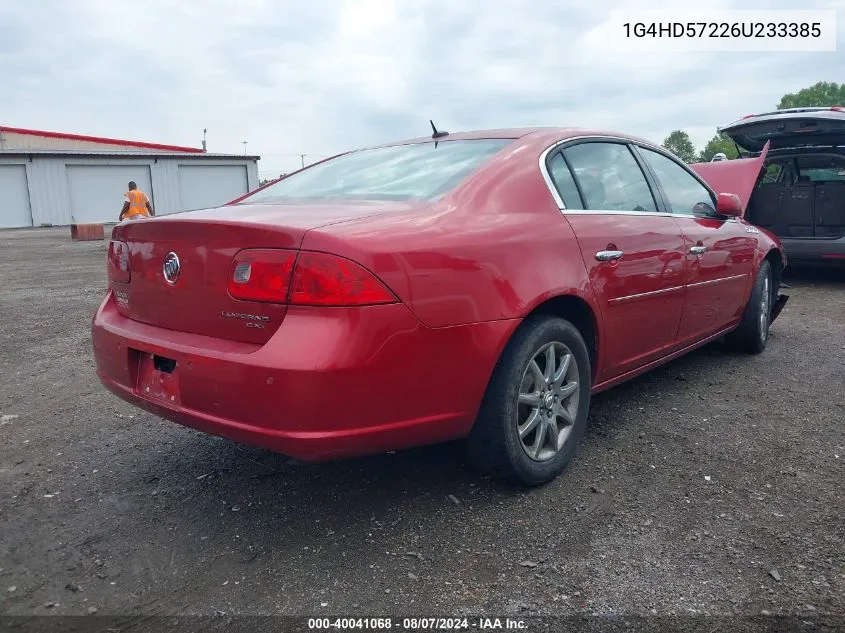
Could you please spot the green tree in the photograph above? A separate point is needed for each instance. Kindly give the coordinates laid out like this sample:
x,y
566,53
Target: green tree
x,y
678,142
265,181
823,93
721,142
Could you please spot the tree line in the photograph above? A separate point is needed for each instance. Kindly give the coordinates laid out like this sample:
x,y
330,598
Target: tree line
x,y
821,94
267,181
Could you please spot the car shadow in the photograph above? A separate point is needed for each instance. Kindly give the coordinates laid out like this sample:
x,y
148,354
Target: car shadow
x,y
243,473
689,376
239,474
233,506
814,275
235,481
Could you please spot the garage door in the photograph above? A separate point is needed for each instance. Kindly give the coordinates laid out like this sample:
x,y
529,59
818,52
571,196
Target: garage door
x,y
204,186
14,197
96,191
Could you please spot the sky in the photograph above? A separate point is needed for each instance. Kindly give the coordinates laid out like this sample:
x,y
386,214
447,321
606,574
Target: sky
x,y
321,77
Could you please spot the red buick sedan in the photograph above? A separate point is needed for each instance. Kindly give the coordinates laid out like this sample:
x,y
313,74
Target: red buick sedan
x,y
479,285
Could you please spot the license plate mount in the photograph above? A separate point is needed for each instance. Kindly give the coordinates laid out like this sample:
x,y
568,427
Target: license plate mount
x,y
158,379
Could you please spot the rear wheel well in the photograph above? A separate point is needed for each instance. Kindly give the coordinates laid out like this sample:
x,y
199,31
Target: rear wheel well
x,y
776,262
578,312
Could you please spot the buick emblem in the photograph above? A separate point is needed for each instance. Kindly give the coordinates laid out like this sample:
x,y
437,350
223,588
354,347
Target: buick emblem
x,y
171,268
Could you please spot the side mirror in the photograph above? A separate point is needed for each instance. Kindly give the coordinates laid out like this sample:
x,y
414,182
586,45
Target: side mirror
x,y
729,204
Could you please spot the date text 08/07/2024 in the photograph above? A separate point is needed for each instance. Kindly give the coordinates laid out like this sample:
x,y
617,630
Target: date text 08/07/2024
x,y
417,624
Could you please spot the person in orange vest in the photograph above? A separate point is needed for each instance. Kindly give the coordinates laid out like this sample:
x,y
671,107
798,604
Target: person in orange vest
x,y
136,204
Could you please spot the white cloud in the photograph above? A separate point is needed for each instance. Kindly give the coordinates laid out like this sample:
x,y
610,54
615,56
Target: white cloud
x,y
329,75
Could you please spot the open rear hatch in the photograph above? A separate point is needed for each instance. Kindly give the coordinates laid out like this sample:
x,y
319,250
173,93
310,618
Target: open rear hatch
x,y
797,127
180,266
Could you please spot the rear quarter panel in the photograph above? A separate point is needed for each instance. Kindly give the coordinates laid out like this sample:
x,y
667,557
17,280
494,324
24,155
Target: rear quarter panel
x,y
494,249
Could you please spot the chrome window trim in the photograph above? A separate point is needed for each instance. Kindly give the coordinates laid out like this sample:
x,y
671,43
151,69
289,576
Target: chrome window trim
x,y
617,139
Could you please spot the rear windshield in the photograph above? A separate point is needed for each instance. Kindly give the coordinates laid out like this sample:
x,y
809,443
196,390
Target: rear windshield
x,y
421,171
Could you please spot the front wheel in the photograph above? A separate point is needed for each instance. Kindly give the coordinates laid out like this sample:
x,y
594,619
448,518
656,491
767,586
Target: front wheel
x,y
752,334
535,408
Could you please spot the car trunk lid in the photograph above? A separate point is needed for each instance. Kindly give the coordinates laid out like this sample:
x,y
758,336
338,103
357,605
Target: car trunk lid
x,y
798,127
205,242
738,176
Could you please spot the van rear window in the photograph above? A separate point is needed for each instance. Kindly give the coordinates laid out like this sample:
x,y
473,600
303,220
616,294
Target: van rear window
x,y
824,175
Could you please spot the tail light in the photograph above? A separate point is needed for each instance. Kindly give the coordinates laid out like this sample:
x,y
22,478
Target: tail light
x,y
119,262
327,280
312,279
837,109
261,275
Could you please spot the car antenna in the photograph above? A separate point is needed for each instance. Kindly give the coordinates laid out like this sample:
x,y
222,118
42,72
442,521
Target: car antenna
x,y
436,134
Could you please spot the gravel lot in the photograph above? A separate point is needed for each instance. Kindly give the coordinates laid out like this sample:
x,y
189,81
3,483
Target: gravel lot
x,y
713,485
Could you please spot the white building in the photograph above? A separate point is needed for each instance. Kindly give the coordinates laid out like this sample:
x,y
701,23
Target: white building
x,y
51,178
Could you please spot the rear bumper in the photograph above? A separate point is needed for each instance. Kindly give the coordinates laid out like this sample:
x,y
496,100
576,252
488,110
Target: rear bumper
x,y
329,383
800,250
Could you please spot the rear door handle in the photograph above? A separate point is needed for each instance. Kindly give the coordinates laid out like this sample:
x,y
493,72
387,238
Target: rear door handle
x,y
607,256
698,250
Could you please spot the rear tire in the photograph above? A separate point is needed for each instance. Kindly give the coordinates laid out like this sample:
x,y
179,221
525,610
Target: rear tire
x,y
535,408
752,334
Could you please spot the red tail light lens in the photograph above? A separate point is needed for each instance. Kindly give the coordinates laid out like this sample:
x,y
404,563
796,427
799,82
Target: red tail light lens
x,y
312,279
119,262
261,275
327,280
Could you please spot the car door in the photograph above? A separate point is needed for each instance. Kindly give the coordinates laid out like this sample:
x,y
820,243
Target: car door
x,y
633,253
719,252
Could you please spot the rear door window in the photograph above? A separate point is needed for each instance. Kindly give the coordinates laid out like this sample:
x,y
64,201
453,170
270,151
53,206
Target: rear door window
x,y
610,177
771,174
564,182
781,174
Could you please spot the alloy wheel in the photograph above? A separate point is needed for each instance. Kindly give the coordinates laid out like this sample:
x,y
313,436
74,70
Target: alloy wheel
x,y
547,404
765,309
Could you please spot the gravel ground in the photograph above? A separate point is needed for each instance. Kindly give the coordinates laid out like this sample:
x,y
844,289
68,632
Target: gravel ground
x,y
712,485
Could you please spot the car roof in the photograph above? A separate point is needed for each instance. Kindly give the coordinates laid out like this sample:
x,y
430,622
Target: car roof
x,y
533,135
